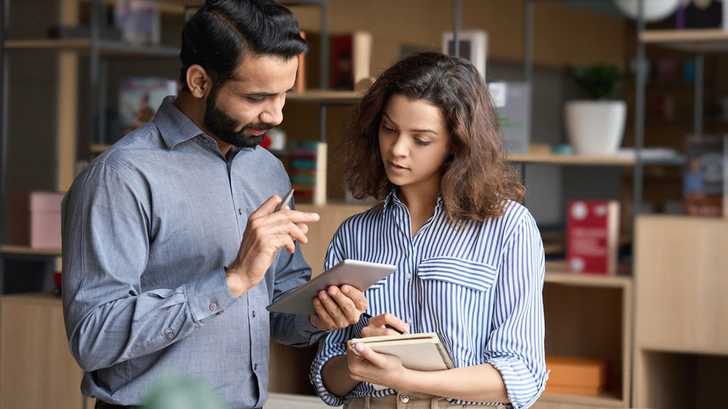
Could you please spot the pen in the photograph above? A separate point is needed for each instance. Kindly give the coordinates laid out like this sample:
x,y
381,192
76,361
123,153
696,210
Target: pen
x,y
286,199
368,317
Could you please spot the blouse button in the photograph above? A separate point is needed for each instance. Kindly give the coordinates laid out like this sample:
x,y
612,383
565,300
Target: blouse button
x,y
170,335
404,398
409,276
213,306
253,314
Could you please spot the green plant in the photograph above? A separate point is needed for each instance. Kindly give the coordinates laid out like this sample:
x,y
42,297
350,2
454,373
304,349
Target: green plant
x,y
598,81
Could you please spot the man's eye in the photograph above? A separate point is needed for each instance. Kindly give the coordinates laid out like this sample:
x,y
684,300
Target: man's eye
x,y
255,100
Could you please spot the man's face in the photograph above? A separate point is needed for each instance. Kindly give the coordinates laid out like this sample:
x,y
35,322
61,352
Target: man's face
x,y
241,110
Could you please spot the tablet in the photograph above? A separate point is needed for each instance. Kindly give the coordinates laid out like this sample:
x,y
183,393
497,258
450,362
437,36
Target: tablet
x,y
358,274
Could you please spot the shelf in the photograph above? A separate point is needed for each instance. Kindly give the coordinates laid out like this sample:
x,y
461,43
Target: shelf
x,y
601,400
590,160
556,273
106,48
693,40
318,96
24,250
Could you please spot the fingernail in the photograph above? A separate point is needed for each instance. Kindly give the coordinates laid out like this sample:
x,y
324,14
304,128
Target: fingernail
x,y
405,328
359,347
324,296
317,302
333,291
345,290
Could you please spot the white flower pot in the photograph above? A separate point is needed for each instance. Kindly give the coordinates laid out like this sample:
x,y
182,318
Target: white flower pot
x,y
595,127
654,10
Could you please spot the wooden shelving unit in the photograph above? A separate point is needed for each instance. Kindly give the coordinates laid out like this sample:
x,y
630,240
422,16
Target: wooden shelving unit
x,y
109,49
690,40
23,250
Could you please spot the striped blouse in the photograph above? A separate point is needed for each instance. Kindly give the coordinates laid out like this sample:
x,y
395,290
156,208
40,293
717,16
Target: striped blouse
x,y
477,284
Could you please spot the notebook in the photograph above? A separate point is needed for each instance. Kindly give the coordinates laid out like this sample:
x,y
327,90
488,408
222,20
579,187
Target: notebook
x,y
421,352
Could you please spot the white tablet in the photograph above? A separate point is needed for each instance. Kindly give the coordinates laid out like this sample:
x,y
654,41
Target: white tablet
x,y
358,274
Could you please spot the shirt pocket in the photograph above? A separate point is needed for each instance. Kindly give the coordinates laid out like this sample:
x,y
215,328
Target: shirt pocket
x,y
461,272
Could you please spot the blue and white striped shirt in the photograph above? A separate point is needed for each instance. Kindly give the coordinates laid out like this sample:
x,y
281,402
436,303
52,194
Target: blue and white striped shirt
x,y
477,284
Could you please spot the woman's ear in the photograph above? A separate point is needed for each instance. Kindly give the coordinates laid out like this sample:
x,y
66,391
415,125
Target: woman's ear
x,y
198,81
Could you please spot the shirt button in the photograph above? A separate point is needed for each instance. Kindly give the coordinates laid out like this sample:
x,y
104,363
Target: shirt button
x,y
240,211
404,398
170,335
253,314
409,276
213,306
255,367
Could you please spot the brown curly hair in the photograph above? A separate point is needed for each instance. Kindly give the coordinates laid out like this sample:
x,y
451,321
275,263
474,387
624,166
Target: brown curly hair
x,y
476,179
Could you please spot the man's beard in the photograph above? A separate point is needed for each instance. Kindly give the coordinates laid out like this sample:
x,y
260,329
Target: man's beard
x,y
223,126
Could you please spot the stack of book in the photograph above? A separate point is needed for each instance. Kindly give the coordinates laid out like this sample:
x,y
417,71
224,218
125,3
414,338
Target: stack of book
x,y
307,170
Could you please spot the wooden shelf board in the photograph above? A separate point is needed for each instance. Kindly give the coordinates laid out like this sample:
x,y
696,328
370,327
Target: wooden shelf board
x,y
106,48
692,40
556,273
587,160
325,96
604,399
11,249
99,148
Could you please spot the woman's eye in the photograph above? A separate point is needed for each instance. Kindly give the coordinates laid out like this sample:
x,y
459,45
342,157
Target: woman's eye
x,y
421,142
387,129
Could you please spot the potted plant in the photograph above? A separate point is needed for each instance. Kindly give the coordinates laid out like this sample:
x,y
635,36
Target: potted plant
x,y
595,124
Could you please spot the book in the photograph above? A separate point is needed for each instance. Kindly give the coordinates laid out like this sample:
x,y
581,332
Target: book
x,y
420,352
139,99
308,171
592,236
703,176
512,100
300,85
350,60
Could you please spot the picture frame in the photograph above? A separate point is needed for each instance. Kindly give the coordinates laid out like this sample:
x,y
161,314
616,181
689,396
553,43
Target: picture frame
x,y
473,47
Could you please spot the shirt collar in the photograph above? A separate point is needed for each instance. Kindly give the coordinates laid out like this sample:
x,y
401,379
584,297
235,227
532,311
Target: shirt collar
x,y
392,200
174,126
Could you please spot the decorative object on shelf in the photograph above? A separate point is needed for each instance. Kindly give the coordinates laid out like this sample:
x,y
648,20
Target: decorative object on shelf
x,y
704,175
513,102
139,99
473,47
595,126
83,32
577,376
654,10
138,21
592,236
36,220
277,139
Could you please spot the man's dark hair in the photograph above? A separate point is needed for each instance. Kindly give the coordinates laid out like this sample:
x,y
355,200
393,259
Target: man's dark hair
x,y
218,35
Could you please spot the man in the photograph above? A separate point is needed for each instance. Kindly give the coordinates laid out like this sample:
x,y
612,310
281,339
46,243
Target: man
x,y
170,238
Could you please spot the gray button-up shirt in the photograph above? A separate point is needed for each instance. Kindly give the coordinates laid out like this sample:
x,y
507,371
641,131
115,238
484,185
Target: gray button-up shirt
x,y
148,228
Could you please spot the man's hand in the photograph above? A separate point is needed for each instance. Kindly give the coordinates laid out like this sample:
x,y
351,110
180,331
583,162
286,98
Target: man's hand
x,y
266,232
338,307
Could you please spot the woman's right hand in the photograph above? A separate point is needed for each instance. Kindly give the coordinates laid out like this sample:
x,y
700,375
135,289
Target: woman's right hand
x,y
378,326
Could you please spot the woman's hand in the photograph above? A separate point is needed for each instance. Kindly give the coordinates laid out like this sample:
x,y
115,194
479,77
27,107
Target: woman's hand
x,y
384,324
365,365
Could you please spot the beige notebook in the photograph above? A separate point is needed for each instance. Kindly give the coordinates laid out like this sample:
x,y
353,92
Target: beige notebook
x,y
421,352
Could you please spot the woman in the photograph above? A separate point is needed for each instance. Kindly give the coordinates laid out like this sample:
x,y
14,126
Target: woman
x,y
425,142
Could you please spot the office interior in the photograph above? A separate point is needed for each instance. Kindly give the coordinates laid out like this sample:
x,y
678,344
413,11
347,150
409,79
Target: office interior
x,y
659,325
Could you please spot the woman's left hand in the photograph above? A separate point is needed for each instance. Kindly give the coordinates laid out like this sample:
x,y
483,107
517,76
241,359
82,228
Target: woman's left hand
x,y
365,365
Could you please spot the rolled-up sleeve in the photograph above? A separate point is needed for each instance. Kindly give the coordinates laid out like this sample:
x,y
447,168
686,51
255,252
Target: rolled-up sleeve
x,y
516,345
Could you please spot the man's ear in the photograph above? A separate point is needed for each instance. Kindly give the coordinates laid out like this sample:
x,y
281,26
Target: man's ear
x,y
198,81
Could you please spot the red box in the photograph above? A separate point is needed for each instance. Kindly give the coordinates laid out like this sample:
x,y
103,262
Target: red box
x,y
35,219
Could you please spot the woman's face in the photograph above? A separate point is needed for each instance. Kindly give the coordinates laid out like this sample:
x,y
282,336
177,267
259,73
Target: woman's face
x,y
413,142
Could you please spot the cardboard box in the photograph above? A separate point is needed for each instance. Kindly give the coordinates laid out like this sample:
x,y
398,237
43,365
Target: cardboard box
x,y
35,219
577,376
